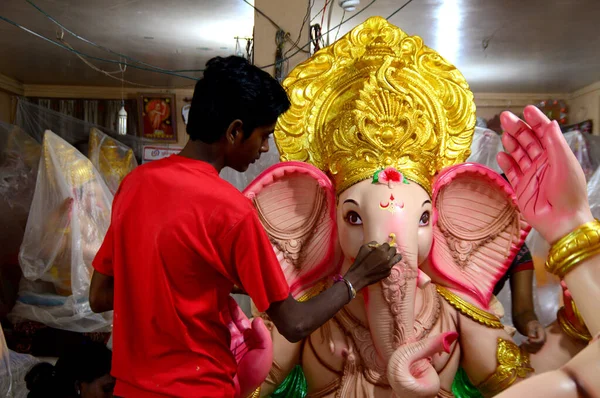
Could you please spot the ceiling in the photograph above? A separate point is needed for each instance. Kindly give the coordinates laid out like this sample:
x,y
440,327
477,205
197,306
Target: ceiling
x,y
533,46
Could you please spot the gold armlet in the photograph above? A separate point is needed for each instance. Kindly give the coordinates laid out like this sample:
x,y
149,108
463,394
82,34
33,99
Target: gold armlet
x,y
468,309
574,248
571,330
513,363
255,394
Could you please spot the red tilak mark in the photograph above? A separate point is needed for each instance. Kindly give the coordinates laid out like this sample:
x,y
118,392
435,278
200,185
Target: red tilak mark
x,y
392,197
384,206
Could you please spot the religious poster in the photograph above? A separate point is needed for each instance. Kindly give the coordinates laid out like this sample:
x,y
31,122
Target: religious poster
x,y
157,119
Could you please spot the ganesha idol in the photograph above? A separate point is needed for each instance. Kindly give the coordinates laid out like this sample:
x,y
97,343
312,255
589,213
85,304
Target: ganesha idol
x,y
373,149
68,219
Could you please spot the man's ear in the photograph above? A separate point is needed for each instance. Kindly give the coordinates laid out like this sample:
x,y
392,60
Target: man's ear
x,y
234,132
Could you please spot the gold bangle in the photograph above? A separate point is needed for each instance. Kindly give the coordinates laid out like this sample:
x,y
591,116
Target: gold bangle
x,y
574,248
468,309
255,394
569,329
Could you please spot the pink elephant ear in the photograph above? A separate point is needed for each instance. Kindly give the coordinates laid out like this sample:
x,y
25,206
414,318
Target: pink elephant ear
x,y
296,205
479,230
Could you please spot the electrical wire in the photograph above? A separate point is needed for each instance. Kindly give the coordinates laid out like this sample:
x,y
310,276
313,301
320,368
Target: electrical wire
x,y
91,56
311,4
319,13
263,14
172,72
340,25
399,9
329,21
108,74
324,11
335,27
64,28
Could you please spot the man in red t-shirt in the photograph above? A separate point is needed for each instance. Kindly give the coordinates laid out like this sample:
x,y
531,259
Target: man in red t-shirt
x,y
181,237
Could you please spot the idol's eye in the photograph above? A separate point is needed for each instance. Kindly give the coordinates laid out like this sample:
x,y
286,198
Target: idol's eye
x,y
424,221
353,218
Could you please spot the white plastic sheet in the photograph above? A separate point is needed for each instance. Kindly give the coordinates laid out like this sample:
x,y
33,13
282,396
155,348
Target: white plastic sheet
x,y
113,159
19,158
484,148
69,217
580,146
13,368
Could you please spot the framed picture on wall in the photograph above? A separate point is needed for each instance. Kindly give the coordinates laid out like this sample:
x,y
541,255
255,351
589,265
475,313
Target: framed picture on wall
x,y
158,117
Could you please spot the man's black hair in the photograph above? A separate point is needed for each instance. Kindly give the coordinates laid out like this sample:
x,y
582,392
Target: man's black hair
x,y
234,89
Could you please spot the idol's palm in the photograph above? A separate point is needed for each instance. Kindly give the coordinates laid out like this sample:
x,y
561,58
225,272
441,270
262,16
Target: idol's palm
x,y
548,181
252,347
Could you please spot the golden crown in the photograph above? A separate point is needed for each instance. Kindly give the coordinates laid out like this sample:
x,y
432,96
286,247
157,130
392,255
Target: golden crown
x,y
377,98
72,164
111,158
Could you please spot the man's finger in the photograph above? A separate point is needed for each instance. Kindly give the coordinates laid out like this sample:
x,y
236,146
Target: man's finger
x,y
395,260
364,251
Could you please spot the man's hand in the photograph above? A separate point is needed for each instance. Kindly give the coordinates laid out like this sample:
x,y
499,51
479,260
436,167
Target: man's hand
x,y
373,263
252,347
548,181
536,336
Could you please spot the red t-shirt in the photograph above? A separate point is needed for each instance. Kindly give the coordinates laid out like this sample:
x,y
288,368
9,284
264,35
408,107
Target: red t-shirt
x,y
180,238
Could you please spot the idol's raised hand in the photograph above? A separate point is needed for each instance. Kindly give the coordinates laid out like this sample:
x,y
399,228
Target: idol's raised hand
x,y
547,178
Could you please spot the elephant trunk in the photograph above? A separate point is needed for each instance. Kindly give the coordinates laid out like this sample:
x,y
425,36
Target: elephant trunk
x,y
410,372
391,303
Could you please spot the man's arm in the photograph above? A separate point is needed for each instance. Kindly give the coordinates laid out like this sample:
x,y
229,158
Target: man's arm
x,y
523,310
295,320
101,292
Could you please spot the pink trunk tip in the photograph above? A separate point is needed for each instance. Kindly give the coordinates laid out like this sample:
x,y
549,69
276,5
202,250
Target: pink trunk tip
x,y
448,339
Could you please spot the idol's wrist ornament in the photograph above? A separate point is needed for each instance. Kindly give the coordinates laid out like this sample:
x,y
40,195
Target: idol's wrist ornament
x,y
574,248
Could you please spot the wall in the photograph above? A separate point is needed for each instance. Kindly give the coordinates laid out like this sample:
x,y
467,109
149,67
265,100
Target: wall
x,y
6,107
8,89
492,104
46,91
289,19
584,104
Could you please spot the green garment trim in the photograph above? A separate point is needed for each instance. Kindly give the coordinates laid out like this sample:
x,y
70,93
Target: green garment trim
x,y
294,386
462,386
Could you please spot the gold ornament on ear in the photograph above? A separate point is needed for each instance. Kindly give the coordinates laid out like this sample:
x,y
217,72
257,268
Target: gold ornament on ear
x,y
377,98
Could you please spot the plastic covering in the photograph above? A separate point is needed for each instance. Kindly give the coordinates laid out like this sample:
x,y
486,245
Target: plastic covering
x,y
581,148
486,145
113,159
13,368
19,158
69,216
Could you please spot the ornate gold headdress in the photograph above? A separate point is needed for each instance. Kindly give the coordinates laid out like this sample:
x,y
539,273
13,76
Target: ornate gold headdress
x,y
114,161
377,98
57,153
